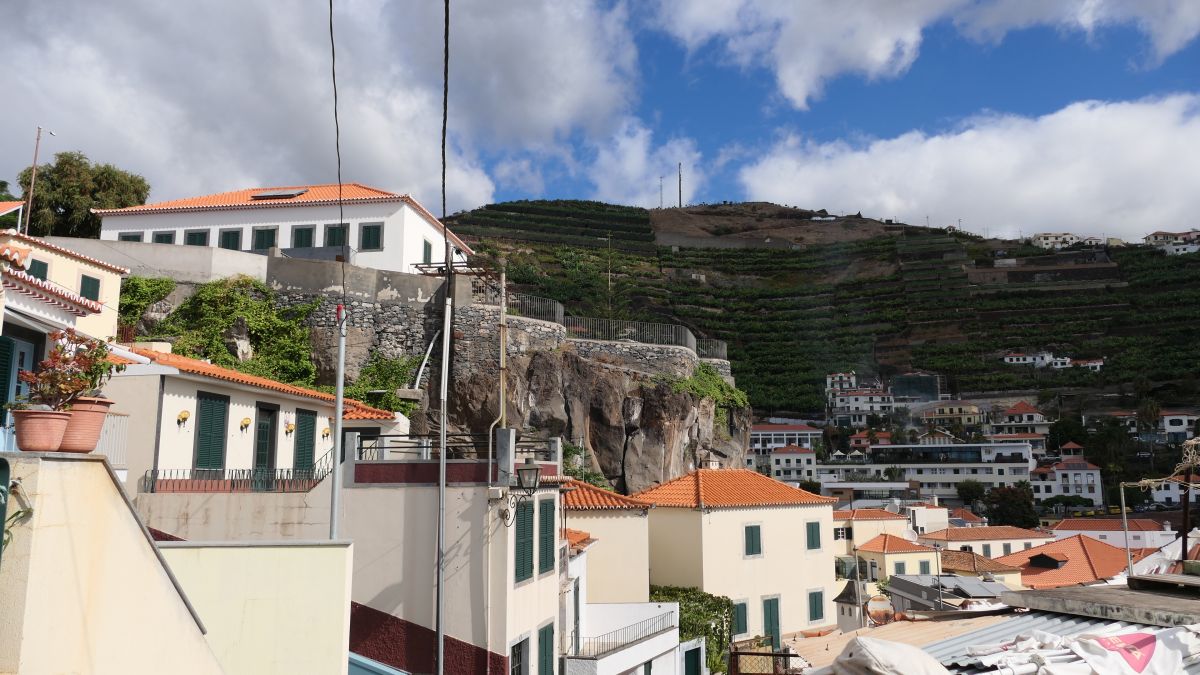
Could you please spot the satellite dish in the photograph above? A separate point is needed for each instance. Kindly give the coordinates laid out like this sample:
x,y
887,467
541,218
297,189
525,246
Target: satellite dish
x,y
880,610
910,534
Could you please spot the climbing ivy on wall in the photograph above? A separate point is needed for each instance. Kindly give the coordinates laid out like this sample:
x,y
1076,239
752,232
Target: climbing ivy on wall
x,y
706,382
138,293
378,381
701,615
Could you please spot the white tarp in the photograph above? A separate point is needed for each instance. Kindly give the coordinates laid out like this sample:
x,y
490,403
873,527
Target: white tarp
x,y
1161,652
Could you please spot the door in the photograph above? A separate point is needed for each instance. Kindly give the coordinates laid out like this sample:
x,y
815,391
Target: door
x,y
306,438
23,357
771,621
691,662
264,447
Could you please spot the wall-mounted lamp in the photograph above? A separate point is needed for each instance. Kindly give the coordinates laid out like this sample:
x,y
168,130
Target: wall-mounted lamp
x,y
325,433
529,479
289,428
245,423
182,418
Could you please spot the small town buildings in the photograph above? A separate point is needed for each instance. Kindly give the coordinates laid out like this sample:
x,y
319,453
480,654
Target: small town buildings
x,y
763,437
619,555
951,413
1019,418
968,517
378,229
1143,532
853,528
1175,425
1072,476
971,564
1039,359
863,440
852,407
764,544
841,381
1074,561
943,592
991,541
926,517
889,554
1164,239
1054,240
792,463
1172,491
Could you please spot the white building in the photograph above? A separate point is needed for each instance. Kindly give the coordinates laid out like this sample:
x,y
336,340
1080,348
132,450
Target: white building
x,y
379,229
1074,476
841,381
1054,240
990,541
853,406
1143,532
1019,418
936,468
1180,248
1036,359
763,437
792,463
1171,492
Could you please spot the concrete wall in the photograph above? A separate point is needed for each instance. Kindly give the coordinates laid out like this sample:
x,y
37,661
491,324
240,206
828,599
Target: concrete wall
x,y
82,589
619,560
137,396
676,548
193,264
270,608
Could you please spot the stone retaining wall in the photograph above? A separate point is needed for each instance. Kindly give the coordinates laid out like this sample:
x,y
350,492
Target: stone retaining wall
x,y
657,359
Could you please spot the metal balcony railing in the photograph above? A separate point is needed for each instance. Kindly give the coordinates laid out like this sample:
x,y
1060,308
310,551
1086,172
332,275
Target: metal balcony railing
x,y
417,447
596,647
238,480
712,349
613,330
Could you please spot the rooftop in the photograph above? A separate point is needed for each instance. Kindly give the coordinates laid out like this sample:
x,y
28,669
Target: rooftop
x,y
1082,560
985,533
889,543
968,561
1022,408
792,450
1106,525
587,497
783,427
965,514
866,514
42,243
728,488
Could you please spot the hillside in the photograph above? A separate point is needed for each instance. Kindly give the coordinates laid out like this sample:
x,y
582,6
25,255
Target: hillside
x,y
799,293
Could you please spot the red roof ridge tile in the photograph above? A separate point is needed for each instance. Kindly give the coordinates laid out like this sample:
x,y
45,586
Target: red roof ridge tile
x,y
729,488
585,497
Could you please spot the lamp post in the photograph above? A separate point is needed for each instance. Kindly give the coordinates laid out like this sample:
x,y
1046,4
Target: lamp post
x,y
937,550
529,477
37,145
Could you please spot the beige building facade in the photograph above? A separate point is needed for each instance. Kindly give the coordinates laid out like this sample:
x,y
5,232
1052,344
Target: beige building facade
x,y
619,558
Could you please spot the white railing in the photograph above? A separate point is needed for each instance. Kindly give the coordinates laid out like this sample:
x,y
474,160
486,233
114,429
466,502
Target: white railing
x,y
114,439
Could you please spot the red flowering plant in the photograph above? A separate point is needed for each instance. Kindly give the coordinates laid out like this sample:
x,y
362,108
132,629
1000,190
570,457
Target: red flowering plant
x,y
77,366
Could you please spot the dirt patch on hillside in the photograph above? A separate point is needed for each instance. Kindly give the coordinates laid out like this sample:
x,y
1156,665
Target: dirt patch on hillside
x,y
761,225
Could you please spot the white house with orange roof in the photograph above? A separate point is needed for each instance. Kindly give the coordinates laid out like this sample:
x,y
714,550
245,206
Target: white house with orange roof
x,y
1073,476
888,554
190,420
1019,418
792,463
1143,532
854,527
991,541
760,542
1074,561
619,557
379,229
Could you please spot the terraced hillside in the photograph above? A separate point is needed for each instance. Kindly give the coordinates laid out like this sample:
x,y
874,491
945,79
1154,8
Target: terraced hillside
x,y
885,303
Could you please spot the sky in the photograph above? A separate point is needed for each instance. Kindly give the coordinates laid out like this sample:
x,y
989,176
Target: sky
x,y
1007,116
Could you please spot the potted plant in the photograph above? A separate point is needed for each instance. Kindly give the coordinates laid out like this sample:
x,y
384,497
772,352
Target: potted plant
x,y
62,393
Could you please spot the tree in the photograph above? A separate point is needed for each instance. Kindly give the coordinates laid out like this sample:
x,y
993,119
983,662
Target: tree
x,y
1148,413
71,187
970,491
8,221
1065,430
701,615
810,485
893,473
1011,505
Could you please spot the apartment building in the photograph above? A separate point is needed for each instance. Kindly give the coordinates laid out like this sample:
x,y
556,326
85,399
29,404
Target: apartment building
x,y
951,413
1054,240
1073,476
852,407
792,463
766,436
935,468
1019,418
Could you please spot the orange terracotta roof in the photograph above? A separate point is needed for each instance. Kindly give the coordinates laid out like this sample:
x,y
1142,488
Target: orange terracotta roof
x,y
8,207
729,488
575,537
969,561
42,243
1106,525
1071,445
866,514
1084,560
888,543
925,505
1086,465
782,427
586,497
878,434
352,410
985,533
1022,408
313,195
792,450
49,292
15,255
965,514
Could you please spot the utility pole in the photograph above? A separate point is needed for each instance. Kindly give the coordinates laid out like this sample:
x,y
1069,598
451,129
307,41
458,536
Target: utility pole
x,y
681,185
37,145
660,192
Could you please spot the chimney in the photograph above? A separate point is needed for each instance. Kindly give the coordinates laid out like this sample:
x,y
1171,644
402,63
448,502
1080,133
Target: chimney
x,y
933,499
711,463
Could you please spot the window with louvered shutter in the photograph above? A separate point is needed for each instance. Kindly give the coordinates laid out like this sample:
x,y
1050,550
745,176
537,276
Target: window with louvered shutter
x,y
212,415
523,554
546,650
306,437
813,535
739,618
753,538
89,287
7,379
546,537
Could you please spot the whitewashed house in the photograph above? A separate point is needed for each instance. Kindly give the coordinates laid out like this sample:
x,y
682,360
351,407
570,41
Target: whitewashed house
x,y
1054,240
1074,476
1143,532
378,229
1039,359
1019,418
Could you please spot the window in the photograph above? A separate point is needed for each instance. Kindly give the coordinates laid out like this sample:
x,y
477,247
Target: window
x,y
89,287
546,535
753,538
840,533
1028,545
264,238
1007,549
546,649
335,235
739,618
924,567
212,415
427,252
901,567
163,237
196,238
813,535
302,236
987,550
524,541
516,658
230,239
129,236
38,269
816,605
370,237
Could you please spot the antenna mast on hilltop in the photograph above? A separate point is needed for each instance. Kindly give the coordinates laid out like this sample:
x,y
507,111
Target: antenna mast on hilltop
x,y
681,185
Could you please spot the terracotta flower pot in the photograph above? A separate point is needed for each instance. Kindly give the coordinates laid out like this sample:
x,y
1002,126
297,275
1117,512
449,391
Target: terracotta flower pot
x,y
40,430
87,420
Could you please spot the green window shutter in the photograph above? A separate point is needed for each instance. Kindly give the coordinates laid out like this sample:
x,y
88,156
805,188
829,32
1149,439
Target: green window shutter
x,y
427,253
197,238
264,239
987,550
129,236
753,540
89,287
546,537
813,532
1007,549
524,541
370,237
7,379
816,605
231,240
739,618
302,237
306,436
164,237
546,650
771,621
38,269
901,567
335,235
212,415
924,567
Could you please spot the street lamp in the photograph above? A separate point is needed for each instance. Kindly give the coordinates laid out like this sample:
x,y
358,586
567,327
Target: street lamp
x,y
937,550
529,479
37,144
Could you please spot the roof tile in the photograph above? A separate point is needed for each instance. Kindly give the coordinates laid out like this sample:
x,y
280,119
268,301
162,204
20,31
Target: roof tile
x,y
969,561
965,514
586,497
729,488
1106,525
890,543
1084,561
987,532
866,514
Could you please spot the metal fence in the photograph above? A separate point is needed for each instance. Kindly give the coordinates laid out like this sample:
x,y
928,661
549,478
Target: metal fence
x,y
712,349
410,447
774,663
614,330
113,439
594,647
521,304
238,480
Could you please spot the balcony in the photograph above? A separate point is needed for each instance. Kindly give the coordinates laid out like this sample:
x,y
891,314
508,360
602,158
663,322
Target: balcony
x,y
237,480
625,636
414,458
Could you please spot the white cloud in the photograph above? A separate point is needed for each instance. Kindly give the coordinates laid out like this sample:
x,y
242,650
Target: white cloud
x,y
808,43
628,165
219,95
1121,169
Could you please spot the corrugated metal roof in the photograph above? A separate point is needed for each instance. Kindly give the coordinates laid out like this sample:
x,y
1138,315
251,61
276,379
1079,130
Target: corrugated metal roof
x,y
952,652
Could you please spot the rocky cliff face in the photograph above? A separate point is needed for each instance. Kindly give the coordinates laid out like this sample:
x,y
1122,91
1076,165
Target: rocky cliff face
x,y
636,430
